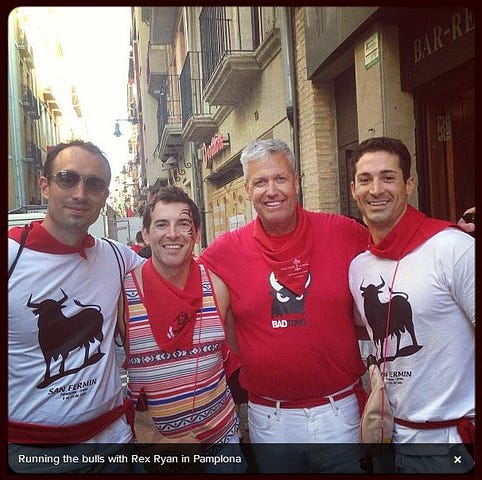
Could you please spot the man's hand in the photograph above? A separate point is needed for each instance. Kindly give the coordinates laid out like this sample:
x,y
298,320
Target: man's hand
x,y
467,221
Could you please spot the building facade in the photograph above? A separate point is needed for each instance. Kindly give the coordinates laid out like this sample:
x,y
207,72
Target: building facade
x,y
208,80
407,73
42,107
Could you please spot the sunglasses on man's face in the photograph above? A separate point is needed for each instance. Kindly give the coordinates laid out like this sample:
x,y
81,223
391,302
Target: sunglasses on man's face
x,y
67,179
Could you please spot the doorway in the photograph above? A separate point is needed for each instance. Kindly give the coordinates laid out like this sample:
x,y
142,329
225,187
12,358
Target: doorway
x,y
447,140
347,134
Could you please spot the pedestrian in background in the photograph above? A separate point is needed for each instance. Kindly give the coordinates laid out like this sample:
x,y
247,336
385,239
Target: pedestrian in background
x,y
176,340
414,291
287,272
64,285
139,244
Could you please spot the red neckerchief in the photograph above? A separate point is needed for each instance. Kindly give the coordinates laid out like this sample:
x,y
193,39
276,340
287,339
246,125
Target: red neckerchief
x,y
413,229
172,311
40,240
288,255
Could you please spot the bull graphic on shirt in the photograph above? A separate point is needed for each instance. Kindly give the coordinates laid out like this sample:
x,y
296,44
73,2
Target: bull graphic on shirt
x,y
59,335
401,319
287,304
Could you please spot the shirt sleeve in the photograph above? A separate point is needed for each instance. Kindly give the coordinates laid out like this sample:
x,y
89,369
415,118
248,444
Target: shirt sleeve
x,y
463,276
214,256
131,259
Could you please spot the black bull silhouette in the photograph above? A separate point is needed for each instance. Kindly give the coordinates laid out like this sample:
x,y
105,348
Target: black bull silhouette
x,y
285,301
58,335
376,313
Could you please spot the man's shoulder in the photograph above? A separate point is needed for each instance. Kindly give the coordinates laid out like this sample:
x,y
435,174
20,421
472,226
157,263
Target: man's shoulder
x,y
118,248
451,237
105,242
232,237
333,217
336,221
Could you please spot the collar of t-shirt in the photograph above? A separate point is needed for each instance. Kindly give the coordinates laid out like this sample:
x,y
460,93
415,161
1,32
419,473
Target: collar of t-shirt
x,y
40,240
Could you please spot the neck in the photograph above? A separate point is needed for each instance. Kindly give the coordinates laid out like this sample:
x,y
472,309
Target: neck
x,y
71,237
279,229
378,234
379,231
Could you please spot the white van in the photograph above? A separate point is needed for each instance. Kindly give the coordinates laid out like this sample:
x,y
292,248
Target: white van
x,y
24,215
28,213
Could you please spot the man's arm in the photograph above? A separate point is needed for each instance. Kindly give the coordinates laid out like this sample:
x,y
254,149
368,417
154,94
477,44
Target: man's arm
x,y
223,300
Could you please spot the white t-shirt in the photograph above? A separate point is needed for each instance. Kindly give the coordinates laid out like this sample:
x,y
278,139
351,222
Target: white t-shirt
x,y
64,307
430,346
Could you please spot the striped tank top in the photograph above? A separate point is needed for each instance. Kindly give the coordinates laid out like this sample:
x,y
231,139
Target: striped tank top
x,y
186,389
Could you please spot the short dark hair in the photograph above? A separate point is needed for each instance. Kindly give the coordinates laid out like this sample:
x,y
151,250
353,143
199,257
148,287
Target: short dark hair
x,y
88,146
171,194
386,144
139,237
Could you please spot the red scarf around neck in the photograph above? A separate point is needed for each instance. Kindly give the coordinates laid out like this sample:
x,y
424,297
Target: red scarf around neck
x,y
172,311
40,240
288,255
413,229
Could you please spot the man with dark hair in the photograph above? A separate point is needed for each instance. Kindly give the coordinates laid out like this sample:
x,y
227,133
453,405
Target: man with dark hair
x,y
140,243
414,291
64,284
176,335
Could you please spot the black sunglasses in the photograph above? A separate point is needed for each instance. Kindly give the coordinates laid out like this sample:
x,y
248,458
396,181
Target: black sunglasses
x,y
67,179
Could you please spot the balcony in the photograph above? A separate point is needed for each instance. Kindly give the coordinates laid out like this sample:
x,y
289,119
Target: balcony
x,y
162,24
51,102
228,52
33,155
169,127
30,103
197,121
157,68
24,49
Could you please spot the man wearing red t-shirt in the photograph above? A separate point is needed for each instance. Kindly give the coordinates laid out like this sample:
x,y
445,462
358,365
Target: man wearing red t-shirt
x,y
287,272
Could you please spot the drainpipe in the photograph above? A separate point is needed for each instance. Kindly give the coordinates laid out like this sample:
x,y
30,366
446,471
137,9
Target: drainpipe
x,y
289,73
13,116
198,192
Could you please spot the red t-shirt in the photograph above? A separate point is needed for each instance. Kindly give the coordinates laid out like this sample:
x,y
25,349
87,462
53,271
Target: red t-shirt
x,y
137,248
293,348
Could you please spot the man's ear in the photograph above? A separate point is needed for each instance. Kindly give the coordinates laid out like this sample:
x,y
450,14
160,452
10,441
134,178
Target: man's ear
x,y
352,186
410,185
197,235
145,235
44,187
246,187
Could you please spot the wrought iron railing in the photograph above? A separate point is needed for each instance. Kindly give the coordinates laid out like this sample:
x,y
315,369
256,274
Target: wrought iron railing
x,y
221,35
192,101
169,105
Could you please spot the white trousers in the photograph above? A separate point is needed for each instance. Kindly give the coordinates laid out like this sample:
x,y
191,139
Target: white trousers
x,y
288,439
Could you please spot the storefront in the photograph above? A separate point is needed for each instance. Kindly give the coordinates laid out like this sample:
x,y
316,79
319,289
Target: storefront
x,y
438,68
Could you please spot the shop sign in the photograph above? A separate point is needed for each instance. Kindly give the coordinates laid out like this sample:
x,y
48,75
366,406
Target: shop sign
x,y
438,36
436,43
219,142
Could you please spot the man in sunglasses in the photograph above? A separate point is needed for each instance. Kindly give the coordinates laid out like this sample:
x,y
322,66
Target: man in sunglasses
x,y
64,285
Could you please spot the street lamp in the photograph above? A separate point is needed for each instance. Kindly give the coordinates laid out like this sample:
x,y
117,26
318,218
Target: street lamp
x,y
117,132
